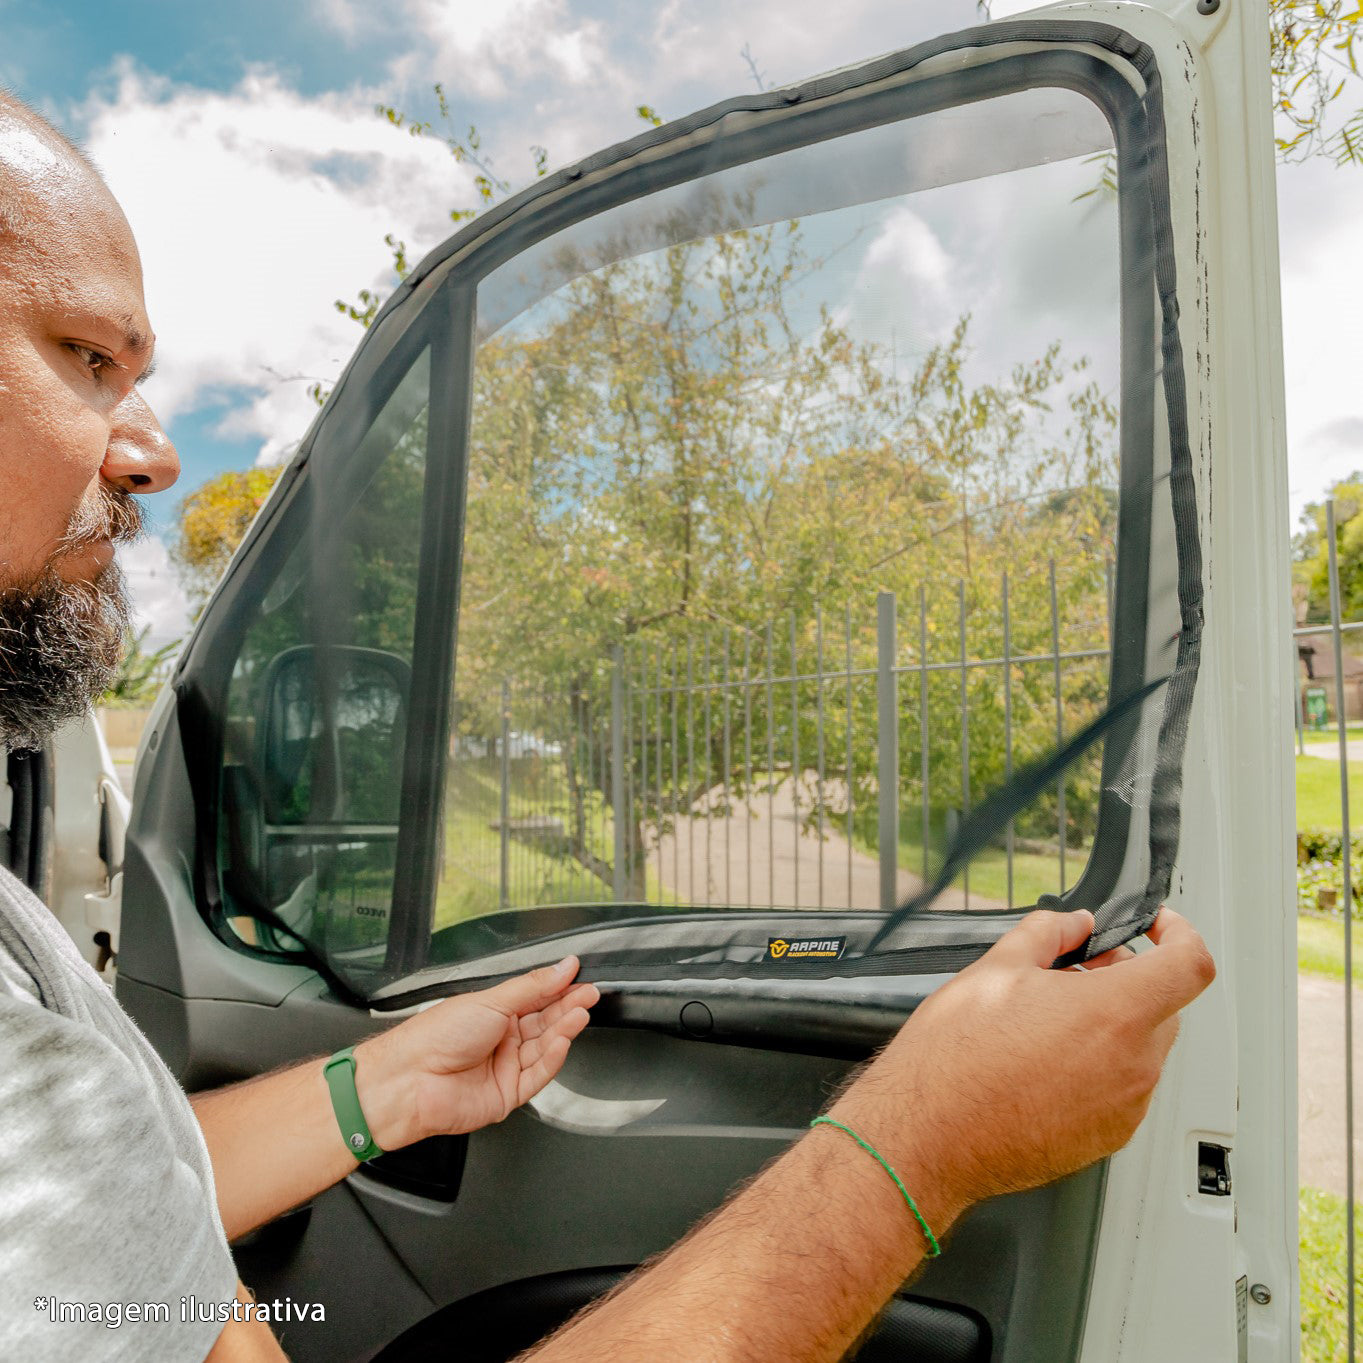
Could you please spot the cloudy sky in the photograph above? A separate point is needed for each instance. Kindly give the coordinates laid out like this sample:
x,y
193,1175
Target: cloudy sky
x,y
244,145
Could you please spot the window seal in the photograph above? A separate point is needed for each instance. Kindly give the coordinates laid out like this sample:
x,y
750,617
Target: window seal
x,y
1146,276
793,117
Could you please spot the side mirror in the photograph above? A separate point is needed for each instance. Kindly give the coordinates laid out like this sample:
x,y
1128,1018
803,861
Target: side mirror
x,y
330,725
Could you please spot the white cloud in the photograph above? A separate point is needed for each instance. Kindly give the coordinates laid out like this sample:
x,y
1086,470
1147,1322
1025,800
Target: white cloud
x,y
157,597
700,40
477,48
907,245
255,209
1320,207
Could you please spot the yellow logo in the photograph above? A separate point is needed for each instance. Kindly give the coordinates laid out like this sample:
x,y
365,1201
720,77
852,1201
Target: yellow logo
x,y
779,948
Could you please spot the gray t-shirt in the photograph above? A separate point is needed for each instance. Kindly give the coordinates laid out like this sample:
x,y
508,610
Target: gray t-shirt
x,y
106,1190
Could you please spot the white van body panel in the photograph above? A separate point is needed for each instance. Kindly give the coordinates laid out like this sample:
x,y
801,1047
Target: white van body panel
x,y
1169,1260
86,889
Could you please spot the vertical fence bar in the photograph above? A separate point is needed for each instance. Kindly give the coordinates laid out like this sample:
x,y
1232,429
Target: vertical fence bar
x,y
1008,722
620,872
819,745
690,770
590,785
515,807
605,809
1341,728
628,759
504,804
965,735
887,749
676,785
728,766
795,753
1297,717
771,767
581,804
643,769
709,772
747,754
658,769
546,792
923,754
1062,830
847,654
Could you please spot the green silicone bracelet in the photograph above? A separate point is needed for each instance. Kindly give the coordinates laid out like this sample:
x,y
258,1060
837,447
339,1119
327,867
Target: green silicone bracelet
x,y
345,1102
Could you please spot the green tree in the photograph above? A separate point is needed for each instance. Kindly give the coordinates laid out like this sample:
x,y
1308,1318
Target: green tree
x,y
1314,65
625,491
662,463
141,670
1311,552
213,520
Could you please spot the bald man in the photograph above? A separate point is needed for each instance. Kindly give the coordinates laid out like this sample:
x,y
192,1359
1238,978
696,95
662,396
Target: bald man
x,y
113,1189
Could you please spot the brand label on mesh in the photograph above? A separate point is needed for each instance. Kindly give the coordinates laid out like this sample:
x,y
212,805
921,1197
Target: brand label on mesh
x,y
805,948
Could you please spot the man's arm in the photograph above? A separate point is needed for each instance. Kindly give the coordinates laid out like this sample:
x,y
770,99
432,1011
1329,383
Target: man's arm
x,y
1009,1077
463,1064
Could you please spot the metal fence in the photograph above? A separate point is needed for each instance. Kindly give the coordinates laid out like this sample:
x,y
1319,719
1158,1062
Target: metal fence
x,y
1336,629
816,762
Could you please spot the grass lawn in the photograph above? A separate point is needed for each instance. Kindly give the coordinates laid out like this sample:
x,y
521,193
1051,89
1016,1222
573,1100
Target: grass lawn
x,y
1318,793
1324,1299
1326,734
1320,946
1034,873
470,884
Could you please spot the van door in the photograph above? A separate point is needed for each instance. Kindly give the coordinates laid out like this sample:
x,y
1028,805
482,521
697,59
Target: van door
x,y
694,542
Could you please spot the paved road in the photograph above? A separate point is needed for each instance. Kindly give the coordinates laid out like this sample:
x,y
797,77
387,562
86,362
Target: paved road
x,y
1330,749
755,854
1320,1083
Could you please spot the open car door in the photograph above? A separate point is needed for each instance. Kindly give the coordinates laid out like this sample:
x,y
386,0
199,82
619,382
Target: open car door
x,y
694,541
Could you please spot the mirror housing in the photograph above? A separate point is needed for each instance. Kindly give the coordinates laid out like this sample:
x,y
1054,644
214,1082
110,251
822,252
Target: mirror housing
x,y
330,728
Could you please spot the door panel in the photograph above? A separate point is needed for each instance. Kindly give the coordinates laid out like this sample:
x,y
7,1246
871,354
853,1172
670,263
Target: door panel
x,y
698,538
536,1199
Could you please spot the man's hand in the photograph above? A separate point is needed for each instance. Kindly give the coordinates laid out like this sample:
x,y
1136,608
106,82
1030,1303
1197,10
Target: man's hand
x,y
471,1060
1010,1076
1015,1074
466,1062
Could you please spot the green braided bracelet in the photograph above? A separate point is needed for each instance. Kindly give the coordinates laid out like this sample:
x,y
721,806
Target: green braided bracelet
x,y
934,1249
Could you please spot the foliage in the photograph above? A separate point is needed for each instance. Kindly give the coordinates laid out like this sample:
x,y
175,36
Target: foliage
x,y
1314,62
663,462
1320,872
1311,552
1320,886
1324,1292
140,672
627,490
1324,844
213,520
465,148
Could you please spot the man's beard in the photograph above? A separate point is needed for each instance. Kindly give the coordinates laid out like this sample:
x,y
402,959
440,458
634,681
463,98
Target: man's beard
x,y
60,642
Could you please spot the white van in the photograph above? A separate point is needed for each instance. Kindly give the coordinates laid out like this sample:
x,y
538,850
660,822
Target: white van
x,y
670,572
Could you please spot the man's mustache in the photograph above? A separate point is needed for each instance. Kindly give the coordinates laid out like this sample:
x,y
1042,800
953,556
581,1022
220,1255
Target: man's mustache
x,y
111,514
